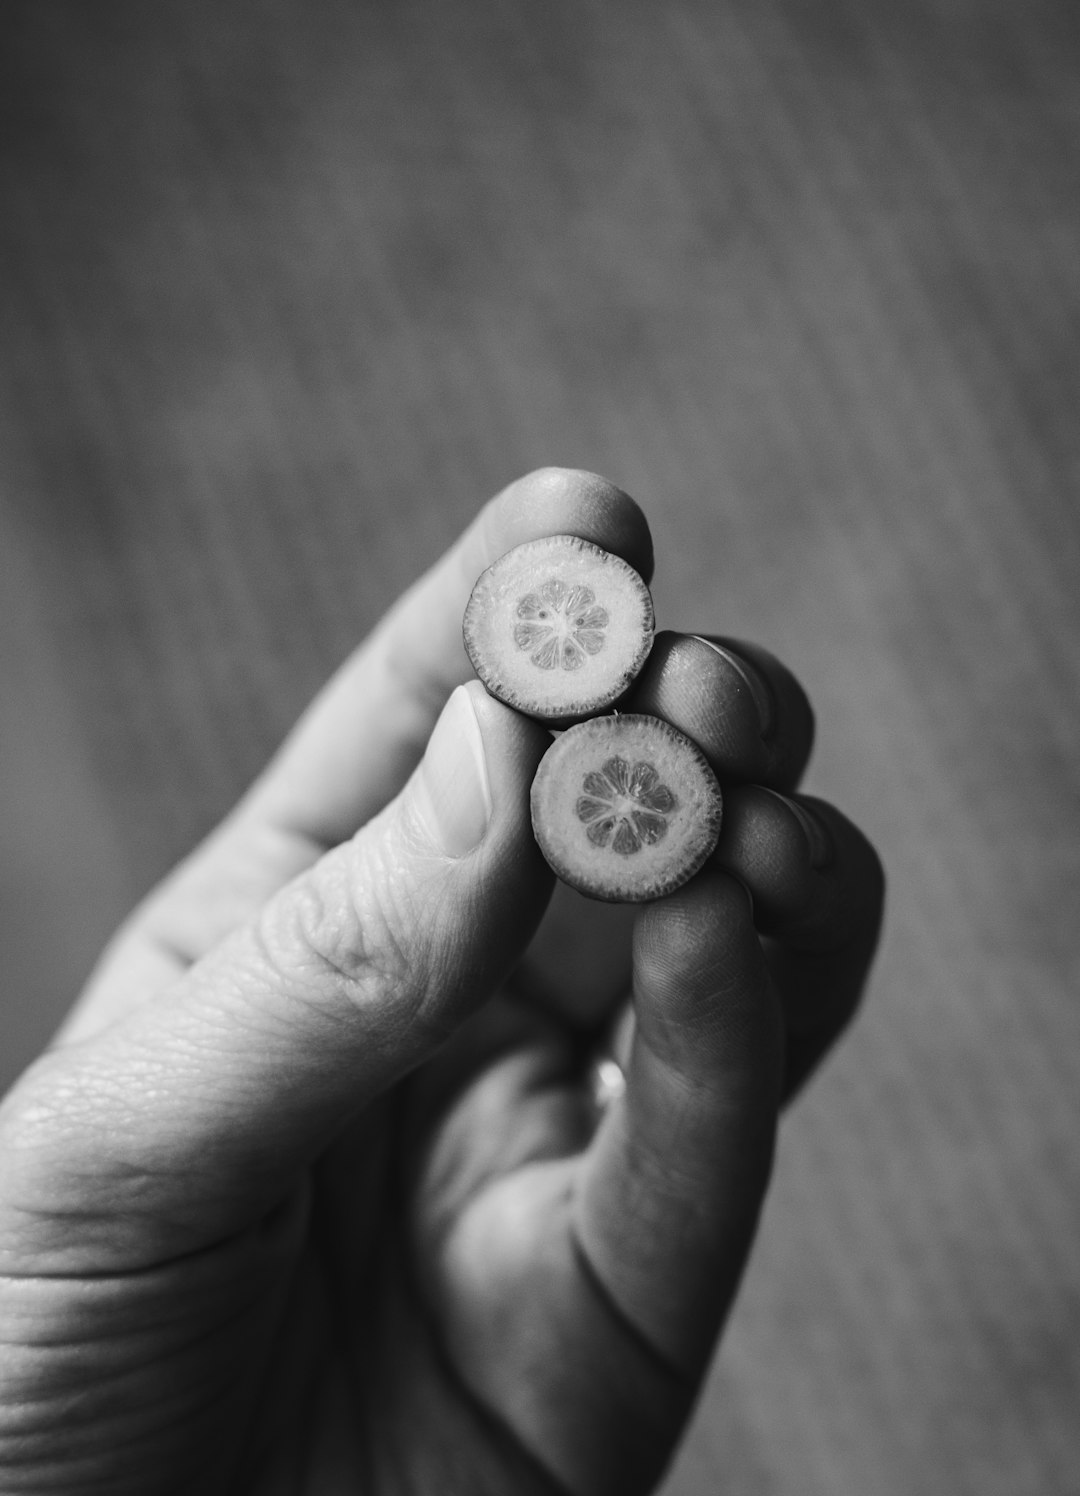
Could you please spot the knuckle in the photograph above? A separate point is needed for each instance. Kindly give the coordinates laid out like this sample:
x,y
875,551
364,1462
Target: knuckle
x,y
63,1140
348,927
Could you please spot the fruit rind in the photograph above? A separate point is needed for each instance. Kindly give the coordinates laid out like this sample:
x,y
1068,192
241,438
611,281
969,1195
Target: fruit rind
x,y
680,790
559,628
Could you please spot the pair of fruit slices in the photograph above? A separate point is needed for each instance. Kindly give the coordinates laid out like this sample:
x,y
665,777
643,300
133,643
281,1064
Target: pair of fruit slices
x,y
624,807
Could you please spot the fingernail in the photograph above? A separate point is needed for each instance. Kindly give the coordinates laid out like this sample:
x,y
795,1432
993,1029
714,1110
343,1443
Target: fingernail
x,y
747,890
818,839
452,790
760,693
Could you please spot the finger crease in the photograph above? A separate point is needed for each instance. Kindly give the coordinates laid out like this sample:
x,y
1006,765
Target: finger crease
x,y
652,1353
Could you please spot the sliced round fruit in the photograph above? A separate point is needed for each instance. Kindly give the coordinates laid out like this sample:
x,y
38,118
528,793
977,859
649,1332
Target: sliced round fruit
x,y
625,808
558,628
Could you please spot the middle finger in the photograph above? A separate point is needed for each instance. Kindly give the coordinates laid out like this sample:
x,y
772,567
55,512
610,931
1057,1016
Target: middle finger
x,y
744,709
753,722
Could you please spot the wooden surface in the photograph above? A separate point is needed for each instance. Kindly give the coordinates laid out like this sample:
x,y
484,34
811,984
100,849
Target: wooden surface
x,y
287,288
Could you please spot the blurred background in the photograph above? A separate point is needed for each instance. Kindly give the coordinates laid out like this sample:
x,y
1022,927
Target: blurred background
x,y
288,288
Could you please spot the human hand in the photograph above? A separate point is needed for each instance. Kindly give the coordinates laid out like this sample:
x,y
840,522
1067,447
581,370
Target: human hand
x,y
311,1193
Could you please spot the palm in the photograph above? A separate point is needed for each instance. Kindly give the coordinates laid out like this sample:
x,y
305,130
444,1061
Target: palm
x,y
440,1219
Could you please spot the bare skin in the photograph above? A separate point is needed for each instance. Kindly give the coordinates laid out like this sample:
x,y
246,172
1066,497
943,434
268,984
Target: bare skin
x,y
310,1195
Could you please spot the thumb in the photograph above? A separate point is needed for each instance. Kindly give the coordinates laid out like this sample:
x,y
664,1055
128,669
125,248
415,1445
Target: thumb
x,y
194,1115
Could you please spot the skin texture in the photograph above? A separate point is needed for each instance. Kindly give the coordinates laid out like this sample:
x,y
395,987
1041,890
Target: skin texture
x,y
310,1195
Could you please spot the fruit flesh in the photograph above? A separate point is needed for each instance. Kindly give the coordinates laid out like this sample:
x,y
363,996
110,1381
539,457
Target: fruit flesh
x,y
625,808
559,628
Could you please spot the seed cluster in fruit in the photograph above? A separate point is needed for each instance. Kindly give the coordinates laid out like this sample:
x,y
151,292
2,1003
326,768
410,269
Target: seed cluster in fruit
x,y
560,625
624,807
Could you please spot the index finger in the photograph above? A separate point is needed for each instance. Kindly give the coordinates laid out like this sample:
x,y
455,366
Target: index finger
x,y
355,746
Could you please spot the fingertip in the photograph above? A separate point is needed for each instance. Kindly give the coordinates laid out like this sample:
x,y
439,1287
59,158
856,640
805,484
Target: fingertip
x,y
764,843
790,738
855,872
744,708
815,879
509,737
679,934
699,972
688,683
821,954
513,747
571,501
